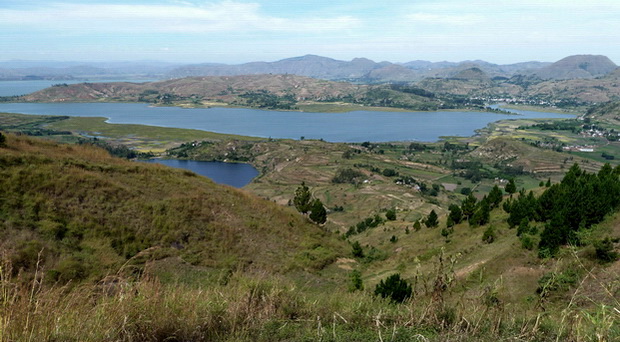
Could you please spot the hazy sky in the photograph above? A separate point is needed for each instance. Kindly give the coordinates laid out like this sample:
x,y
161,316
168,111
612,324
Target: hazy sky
x,y
236,31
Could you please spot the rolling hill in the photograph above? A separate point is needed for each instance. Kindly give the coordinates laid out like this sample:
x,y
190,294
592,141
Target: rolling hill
x,y
259,91
578,66
82,214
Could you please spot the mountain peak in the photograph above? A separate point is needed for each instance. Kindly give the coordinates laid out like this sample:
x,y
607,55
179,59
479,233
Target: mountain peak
x,y
577,66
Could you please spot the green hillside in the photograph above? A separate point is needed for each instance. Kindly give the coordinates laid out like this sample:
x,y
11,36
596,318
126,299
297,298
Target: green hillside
x,y
96,248
87,214
280,92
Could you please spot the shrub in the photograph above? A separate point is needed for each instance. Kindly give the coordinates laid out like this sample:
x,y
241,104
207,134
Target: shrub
x,y
356,250
417,226
390,173
347,176
71,269
356,283
557,281
26,255
605,250
395,288
527,242
489,235
391,214
445,232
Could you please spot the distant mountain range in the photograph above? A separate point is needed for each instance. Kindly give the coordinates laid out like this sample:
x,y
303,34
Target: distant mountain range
x,y
571,81
359,70
53,70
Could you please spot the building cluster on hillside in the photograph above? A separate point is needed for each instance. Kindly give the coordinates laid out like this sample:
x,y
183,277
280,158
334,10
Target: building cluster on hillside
x,y
578,148
516,100
598,132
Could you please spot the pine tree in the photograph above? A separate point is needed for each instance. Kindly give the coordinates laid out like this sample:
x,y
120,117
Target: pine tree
x,y
356,250
468,206
302,198
449,222
482,215
318,214
524,227
495,196
511,187
455,215
431,220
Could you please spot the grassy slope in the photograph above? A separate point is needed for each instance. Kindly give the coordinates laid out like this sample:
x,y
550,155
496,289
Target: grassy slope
x,y
140,137
60,189
77,204
501,270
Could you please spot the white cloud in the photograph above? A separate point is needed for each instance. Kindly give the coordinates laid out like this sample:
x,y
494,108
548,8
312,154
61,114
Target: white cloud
x,y
178,18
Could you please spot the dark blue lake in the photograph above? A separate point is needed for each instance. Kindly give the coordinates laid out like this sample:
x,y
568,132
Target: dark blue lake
x,y
233,174
358,126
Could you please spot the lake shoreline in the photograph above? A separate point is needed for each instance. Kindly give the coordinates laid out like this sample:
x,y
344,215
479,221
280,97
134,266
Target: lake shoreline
x,y
350,127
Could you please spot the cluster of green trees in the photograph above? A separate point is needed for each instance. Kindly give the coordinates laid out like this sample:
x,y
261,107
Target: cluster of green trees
x,y
268,100
304,203
12,98
387,97
475,212
412,90
348,175
579,201
560,125
369,222
115,150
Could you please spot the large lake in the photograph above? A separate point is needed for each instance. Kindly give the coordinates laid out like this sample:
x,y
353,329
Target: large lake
x,y
233,174
358,126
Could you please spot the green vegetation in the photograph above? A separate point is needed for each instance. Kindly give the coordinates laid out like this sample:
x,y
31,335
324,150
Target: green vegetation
x,y
431,220
82,214
579,201
139,138
302,198
304,203
348,175
394,288
605,250
142,252
266,100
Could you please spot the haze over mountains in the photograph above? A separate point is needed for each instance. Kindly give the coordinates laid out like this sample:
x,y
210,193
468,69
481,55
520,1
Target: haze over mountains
x,y
357,70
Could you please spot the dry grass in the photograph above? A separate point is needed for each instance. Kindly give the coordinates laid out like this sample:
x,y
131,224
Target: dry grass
x,y
260,308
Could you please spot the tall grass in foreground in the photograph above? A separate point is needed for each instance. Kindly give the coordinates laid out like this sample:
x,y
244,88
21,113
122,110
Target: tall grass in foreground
x,y
263,309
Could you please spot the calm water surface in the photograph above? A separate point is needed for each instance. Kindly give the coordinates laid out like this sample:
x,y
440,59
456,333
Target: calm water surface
x,y
358,126
233,174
